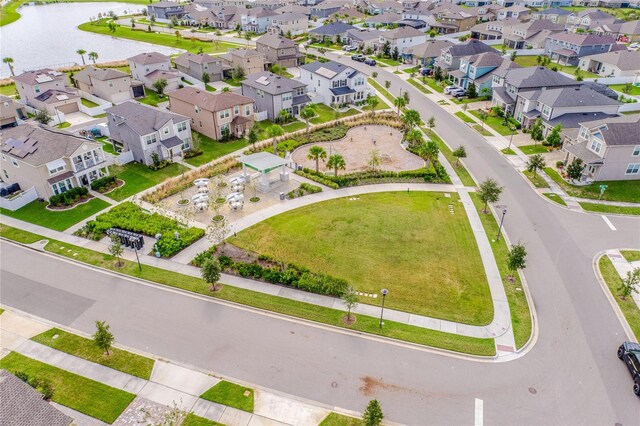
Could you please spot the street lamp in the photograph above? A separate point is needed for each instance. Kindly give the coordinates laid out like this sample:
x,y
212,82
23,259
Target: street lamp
x,y
384,293
504,212
132,240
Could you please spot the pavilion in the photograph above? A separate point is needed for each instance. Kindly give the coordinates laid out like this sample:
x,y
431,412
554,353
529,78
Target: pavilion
x,y
264,163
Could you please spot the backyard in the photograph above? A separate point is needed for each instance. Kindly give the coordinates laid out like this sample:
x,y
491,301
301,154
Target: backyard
x,y
531,61
635,89
138,177
373,241
212,149
36,212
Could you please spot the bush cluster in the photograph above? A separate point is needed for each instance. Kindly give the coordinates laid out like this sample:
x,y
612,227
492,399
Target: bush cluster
x,y
69,197
302,190
159,165
103,184
320,178
436,175
43,386
193,152
131,217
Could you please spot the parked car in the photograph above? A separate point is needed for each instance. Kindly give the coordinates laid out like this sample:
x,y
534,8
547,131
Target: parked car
x,y
426,71
359,57
448,89
457,92
349,48
629,353
370,62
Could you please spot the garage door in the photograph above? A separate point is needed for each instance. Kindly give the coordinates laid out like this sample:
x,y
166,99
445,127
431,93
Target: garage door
x,y
68,108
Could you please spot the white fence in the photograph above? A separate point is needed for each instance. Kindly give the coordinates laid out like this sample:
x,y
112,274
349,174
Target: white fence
x,y
124,158
93,111
613,80
630,107
20,200
260,116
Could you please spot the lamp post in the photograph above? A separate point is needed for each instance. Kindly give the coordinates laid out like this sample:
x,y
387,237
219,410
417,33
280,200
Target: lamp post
x,y
135,248
384,293
504,212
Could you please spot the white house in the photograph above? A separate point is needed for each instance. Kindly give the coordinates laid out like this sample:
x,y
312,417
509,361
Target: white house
x,y
402,38
334,83
151,67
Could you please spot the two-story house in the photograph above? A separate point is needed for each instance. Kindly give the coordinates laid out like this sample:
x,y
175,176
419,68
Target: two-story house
x,y
516,12
165,11
420,13
111,85
333,31
532,34
383,20
454,22
425,54
12,113
610,149
363,39
214,114
493,30
145,131
402,38
555,15
198,65
624,32
257,19
250,60
589,19
568,48
280,50
621,63
450,56
333,83
151,67
479,69
274,93
46,89
290,23
376,7
49,160
325,9
270,4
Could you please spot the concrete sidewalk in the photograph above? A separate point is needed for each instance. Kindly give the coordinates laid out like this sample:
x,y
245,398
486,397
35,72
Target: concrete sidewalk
x,y
623,266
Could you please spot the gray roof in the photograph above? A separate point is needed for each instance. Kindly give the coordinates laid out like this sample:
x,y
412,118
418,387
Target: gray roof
x,y
22,405
143,119
553,11
262,161
201,58
272,83
487,59
149,58
332,29
402,32
164,4
472,47
293,8
581,151
385,18
626,60
573,97
332,66
583,39
275,41
363,35
622,130
53,96
259,12
101,74
40,76
536,77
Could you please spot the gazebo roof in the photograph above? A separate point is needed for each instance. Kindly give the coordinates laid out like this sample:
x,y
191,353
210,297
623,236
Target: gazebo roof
x,y
262,161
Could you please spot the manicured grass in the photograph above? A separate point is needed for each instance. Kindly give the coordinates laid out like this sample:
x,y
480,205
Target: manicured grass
x,y
230,394
71,390
520,315
325,114
494,122
212,149
412,69
107,146
387,61
432,84
374,242
8,90
381,105
88,103
100,27
530,61
382,90
508,151
631,255
620,190
465,100
138,177
555,198
614,282
35,212
418,86
63,125
464,117
332,317
484,132
120,360
193,420
461,171
536,180
210,88
635,90
335,419
603,208
533,149
9,12
299,125
152,98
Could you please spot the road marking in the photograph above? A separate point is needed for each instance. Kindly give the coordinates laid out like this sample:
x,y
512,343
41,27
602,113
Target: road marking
x,y
608,222
479,420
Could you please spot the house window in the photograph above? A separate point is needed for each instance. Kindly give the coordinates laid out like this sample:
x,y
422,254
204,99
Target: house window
x,y
300,91
223,127
15,163
182,126
62,186
6,175
633,169
150,139
636,151
287,96
165,131
110,84
224,114
56,170
247,110
546,110
186,143
596,146
236,110
583,132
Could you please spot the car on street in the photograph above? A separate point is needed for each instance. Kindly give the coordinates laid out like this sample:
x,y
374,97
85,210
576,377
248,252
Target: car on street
x,y
370,62
359,57
349,48
448,89
629,353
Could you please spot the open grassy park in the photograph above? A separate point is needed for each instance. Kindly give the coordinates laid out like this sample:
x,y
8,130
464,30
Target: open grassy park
x,y
408,243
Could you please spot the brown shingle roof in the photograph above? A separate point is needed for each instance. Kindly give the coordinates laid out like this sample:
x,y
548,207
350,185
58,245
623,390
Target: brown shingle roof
x,y
101,74
149,58
210,101
37,76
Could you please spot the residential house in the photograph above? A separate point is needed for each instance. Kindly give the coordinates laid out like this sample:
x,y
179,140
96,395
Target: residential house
x,y
363,39
402,38
294,8
111,85
376,7
421,14
454,22
347,15
624,32
589,19
609,148
485,13
450,56
477,3
45,89
273,93
326,9
555,15
568,48
198,65
147,131
250,60
214,114
493,30
532,34
151,67
290,24
333,83
165,11
516,12
425,54
479,69
12,113
334,31
383,19
621,63
257,20
224,17
280,50
271,4
50,160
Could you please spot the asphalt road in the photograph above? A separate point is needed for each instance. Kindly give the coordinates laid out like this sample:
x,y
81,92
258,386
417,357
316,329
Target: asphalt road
x,y
571,376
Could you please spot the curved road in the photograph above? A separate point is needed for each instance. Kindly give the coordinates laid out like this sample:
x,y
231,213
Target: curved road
x,y
571,375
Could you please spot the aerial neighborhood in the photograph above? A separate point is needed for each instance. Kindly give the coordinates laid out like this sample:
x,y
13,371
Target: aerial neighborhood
x,y
382,168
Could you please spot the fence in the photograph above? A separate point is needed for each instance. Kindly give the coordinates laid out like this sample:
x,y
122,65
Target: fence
x,y
96,110
56,118
20,200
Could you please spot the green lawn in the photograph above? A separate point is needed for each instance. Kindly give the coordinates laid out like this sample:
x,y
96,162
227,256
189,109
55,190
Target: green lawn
x,y
619,190
152,98
418,86
494,122
138,177
372,243
107,146
332,317
120,360
461,171
335,419
555,198
530,61
483,131
212,149
387,61
603,208
230,394
79,393
9,13
299,125
536,180
464,117
88,103
8,90
507,151
533,149
432,84
36,213
381,89
614,282
63,125
325,114
631,255
193,420
635,90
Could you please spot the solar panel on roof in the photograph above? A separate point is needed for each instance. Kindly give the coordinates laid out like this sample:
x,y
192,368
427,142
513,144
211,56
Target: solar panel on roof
x,y
263,80
62,97
41,78
326,72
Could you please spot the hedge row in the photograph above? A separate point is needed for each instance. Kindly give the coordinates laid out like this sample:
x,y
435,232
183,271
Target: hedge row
x,y
68,197
437,174
303,189
102,183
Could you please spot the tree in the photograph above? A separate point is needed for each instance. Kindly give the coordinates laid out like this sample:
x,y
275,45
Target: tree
x,y
115,248
514,54
336,162
374,74
374,160
575,169
386,49
237,73
538,59
206,78
373,102
489,192
274,131
414,137
627,88
210,272
395,54
459,153
472,91
9,61
307,113
411,118
437,74
537,131
630,283
350,300
160,85
483,116
373,415
283,116
133,22
579,74
252,137
400,103
431,122
103,337
42,116
93,56
536,162
555,139
387,84
81,52
516,259
152,18
317,153
429,151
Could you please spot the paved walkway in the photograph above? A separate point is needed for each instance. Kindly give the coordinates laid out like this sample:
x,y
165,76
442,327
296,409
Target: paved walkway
x,y
623,266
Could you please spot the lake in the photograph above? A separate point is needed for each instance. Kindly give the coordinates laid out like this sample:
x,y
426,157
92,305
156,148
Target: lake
x,y
47,36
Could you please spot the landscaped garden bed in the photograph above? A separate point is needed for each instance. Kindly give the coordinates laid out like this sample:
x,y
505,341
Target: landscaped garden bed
x,y
36,212
106,184
303,189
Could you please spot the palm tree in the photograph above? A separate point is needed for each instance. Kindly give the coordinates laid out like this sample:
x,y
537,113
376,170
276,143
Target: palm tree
x,y
414,137
307,113
81,52
429,151
317,153
274,131
400,102
411,118
9,61
336,162
93,56
536,162
373,102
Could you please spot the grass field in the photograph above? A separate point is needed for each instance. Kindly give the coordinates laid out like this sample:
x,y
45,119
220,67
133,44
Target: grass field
x,y
325,114
418,86
381,89
482,130
408,243
230,394
536,180
460,169
627,306
35,212
531,61
508,151
494,122
533,149
555,198
8,90
464,117
79,393
635,90
152,98
335,419
620,190
212,149
138,177
631,255
120,360
603,208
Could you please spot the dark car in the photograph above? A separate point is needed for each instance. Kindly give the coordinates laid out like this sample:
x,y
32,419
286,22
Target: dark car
x,y
358,57
370,62
426,71
629,353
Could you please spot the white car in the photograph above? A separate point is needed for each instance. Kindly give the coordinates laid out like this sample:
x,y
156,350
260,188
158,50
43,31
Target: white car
x,y
449,89
349,48
634,46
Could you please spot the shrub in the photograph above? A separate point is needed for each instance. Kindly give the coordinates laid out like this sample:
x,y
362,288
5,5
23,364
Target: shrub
x,y
102,184
43,386
303,189
559,164
69,197
193,152
437,175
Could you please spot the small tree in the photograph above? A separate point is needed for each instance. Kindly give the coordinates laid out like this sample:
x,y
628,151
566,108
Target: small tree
x,y
317,153
489,192
516,259
400,103
414,137
307,113
42,116
575,169
336,162
252,137
374,160
373,415
627,88
274,131
483,116
411,118
431,122
350,300
160,85
211,273
9,61
630,283
115,248
555,138
429,151
472,91
459,153
103,337
372,102
514,54
536,162
537,131
387,84
395,54
579,74
237,73
81,52
374,74
206,78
